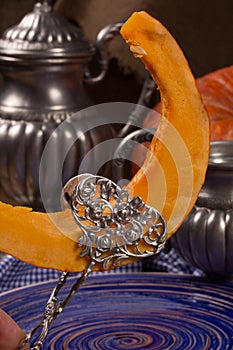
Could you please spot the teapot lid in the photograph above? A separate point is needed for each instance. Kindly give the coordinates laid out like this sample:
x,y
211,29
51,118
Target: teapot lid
x,y
43,34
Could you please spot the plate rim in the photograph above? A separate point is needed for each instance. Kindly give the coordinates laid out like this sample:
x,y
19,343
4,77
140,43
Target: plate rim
x,y
120,275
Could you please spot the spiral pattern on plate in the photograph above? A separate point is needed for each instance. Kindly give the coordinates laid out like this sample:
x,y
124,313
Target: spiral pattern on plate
x,y
133,311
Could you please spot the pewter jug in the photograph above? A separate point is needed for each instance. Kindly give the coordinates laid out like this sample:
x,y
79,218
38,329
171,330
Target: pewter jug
x,y
44,64
205,240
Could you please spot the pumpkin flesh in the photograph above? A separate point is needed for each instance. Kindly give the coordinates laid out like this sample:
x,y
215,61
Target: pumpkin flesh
x,y
182,106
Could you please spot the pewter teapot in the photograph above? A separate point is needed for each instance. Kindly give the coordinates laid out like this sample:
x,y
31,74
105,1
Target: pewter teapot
x,y
44,63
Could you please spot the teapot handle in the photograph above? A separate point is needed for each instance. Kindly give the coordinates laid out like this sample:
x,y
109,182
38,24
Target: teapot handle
x,y
133,132
146,98
121,158
104,37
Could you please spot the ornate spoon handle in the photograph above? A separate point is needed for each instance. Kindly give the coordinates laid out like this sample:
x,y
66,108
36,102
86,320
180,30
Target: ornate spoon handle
x,y
114,227
54,307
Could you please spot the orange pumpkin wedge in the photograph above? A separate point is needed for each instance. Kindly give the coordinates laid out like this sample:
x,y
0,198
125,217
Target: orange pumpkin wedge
x,y
183,109
169,180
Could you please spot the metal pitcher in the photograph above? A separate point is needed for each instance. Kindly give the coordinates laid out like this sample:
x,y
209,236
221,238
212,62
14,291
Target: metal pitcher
x,y
44,63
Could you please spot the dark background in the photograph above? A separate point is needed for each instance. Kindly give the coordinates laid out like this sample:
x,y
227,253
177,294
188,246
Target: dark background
x,y
203,29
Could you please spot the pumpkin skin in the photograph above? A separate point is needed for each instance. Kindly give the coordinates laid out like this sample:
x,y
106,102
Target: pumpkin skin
x,y
222,130
216,89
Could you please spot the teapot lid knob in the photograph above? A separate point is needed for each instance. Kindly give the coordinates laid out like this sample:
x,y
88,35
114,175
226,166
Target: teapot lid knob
x,y
42,34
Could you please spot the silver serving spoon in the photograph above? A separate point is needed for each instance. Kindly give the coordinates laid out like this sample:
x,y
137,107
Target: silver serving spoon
x,y
114,227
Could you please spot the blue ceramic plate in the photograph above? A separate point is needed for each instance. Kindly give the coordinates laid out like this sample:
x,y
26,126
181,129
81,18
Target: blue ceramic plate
x,y
133,311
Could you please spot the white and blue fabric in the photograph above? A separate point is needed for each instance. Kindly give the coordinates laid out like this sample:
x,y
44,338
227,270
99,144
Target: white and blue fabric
x,y
15,273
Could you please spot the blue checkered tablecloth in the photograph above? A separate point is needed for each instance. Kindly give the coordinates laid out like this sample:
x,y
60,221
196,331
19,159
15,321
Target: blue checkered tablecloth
x,y
15,273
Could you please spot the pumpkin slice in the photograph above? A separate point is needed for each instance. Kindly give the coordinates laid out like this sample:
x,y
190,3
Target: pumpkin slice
x,y
183,109
169,180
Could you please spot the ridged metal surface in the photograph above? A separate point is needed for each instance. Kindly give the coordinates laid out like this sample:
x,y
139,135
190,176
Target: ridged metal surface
x,y
43,64
206,238
45,33
21,146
